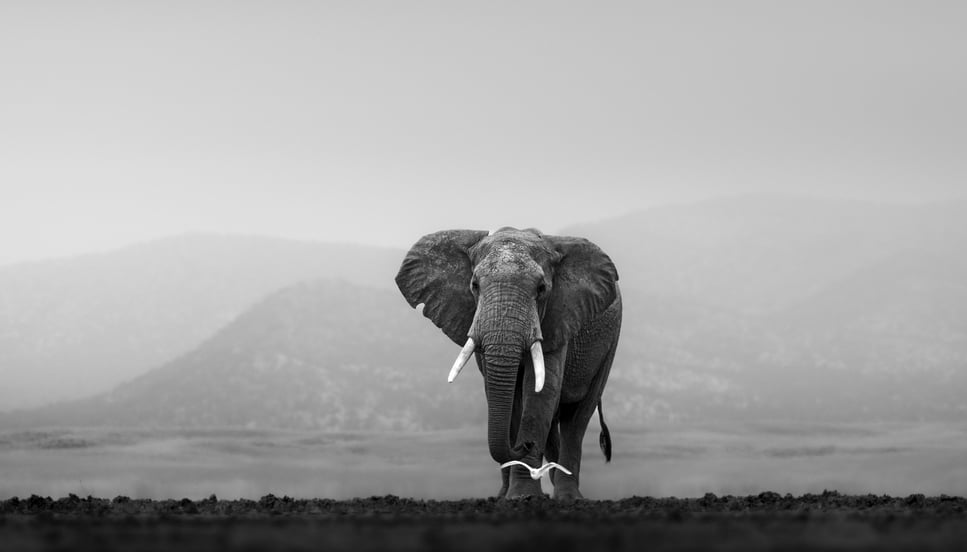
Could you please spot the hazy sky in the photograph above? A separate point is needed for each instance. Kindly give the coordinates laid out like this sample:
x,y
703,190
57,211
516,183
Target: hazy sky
x,y
377,122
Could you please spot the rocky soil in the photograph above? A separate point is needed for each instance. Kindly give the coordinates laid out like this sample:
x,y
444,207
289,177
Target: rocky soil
x,y
767,521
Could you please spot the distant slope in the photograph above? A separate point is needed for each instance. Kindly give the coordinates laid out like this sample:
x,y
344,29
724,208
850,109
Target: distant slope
x,y
760,253
744,308
318,355
73,327
893,334
777,306
915,293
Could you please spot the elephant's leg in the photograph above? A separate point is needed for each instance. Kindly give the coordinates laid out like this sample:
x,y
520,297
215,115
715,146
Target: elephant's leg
x,y
574,418
538,413
504,482
574,423
552,451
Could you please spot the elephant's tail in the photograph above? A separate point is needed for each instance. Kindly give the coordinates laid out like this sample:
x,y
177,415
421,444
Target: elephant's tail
x,y
604,439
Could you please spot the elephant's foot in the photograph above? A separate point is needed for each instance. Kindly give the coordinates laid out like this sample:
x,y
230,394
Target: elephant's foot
x,y
566,489
569,495
504,483
521,485
522,489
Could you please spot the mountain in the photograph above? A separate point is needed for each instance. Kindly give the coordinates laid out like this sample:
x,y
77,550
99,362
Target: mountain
x,y
761,253
891,337
73,327
315,355
912,292
791,307
741,308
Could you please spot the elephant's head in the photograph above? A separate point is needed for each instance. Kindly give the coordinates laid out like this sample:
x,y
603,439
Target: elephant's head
x,y
510,296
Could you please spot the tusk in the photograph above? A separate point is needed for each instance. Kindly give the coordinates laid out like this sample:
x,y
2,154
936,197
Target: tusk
x,y
537,355
462,359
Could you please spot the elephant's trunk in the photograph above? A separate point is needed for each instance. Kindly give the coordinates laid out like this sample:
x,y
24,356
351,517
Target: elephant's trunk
x,y
501,393
506,330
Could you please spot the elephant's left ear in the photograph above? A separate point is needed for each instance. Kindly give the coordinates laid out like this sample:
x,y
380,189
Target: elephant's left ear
x,y
585,284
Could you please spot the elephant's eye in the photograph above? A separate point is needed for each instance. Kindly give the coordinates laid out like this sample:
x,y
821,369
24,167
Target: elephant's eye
x,y
541,289
474,286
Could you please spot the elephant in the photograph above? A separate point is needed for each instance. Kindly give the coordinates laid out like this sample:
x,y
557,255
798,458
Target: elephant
x,y
542,316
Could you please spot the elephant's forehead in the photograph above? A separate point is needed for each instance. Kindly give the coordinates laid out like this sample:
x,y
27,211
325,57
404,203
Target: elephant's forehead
x,y
508,257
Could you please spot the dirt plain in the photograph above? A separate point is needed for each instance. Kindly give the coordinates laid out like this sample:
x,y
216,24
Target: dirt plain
x,y
767,521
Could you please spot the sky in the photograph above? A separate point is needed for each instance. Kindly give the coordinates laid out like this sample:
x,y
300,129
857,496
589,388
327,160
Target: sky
x,y
377,122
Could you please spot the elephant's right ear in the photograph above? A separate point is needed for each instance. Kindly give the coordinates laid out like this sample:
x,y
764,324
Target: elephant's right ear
x,y
437,272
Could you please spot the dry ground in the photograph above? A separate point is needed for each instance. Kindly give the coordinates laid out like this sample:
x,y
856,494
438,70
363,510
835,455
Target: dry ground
x,y
768,521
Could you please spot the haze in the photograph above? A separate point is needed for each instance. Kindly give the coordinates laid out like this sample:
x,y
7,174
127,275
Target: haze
x,y
376,123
